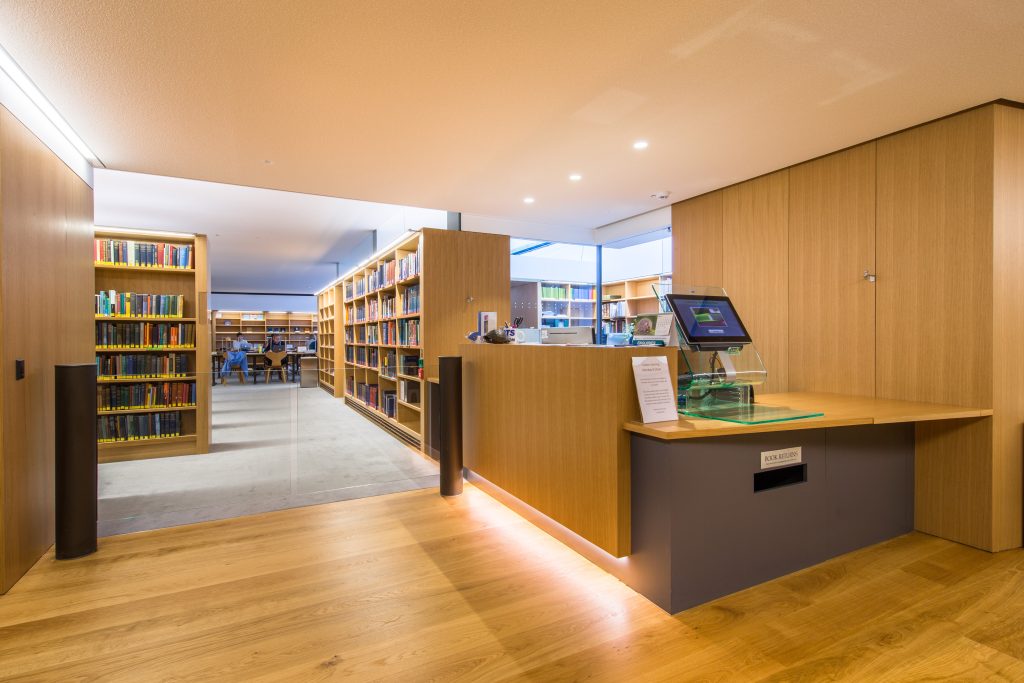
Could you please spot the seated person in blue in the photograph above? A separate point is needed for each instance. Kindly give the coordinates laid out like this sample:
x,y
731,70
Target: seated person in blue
x,y
311,344
275,343
236,357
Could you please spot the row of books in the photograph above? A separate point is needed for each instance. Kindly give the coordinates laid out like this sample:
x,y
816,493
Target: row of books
x,y
388,364
409,266
554,292
372,335
356,313
145,395
615,309
111,428
146,254
372,356
367,393
372,310
411,365
582,291
389,403
383,276
409,391
387,306
142,365
388,334
411,300
360,287
129,304
350,385
348,291
145,335
409,332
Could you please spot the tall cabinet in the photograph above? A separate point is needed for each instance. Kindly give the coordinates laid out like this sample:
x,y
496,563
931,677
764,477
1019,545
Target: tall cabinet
x,y
892,269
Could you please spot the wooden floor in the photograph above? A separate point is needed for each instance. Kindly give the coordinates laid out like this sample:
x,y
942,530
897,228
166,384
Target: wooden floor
x,y
412,587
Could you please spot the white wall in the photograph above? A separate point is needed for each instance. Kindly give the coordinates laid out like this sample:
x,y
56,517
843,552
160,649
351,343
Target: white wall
x,y
558,263
259,302
637,225
640,260
526,230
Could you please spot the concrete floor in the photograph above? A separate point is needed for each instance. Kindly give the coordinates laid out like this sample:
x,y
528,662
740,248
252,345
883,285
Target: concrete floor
x,y
274,446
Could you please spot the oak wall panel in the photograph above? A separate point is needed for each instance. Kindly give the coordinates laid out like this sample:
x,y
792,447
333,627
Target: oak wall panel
x,y
46,290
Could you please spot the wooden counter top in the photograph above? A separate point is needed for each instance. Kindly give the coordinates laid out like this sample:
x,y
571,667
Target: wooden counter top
x,y
839,411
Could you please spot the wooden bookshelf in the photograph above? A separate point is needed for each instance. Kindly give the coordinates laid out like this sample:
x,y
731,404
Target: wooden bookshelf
x,y
623,300
191,283
431,281
258,326
555,303
326,342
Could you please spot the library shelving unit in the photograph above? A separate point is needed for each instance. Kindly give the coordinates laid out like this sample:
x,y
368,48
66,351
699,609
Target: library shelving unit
x,y
555,304
326,339
152,342
257,326
623,300
402,309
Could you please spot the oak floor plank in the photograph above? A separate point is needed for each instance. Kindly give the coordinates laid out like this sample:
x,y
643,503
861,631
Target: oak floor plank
x,y
413,587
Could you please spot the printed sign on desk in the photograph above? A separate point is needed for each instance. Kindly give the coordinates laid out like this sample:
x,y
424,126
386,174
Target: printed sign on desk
x,y
654,389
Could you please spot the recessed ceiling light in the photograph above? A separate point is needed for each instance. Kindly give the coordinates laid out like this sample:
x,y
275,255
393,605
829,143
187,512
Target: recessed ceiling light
x,y
575,177
527,200
268,161
640,144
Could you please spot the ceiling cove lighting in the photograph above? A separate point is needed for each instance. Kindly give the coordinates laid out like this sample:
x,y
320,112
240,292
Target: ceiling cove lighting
x,y
143,232
528,200
575,177
640,144
21,79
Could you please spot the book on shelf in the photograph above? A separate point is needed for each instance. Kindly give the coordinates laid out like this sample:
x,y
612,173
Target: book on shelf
x,y
409,266
113,428
383,276
549,291
410,365
409,332
116,252
141,365
111,303
411,300
111,335
409,391
145,395
389,403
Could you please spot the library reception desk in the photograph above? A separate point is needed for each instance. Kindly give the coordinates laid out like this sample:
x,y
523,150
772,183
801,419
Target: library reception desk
x,y
693,509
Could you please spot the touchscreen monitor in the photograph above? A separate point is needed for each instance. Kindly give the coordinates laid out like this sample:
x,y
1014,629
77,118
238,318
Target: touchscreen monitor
x,y
708,321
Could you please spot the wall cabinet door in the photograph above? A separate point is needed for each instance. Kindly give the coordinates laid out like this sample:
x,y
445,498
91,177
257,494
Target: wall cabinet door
x,y
831,244
754,267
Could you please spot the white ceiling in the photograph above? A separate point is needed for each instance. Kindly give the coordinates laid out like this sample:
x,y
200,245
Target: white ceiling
x,y
470,106
259,240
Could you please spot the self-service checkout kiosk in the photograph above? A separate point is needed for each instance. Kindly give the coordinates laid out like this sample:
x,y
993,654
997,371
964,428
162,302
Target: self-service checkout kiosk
x,y
720,366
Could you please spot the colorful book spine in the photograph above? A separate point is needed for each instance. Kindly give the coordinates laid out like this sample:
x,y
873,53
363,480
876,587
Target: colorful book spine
x,y
145,335
141,365
145,395
113,428
132,253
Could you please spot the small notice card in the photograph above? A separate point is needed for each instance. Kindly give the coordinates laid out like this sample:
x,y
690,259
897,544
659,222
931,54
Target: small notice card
x,y
654,388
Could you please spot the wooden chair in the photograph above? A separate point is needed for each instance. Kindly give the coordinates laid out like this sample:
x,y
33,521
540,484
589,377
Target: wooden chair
x,y
238,369
276,359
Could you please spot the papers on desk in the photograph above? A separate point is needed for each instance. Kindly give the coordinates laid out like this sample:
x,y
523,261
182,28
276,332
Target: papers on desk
x,y
654,389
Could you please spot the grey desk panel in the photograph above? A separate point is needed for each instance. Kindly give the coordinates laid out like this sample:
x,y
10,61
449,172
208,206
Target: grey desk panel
x,y
700,531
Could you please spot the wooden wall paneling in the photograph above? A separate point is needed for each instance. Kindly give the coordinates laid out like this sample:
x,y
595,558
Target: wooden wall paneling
x,y
544,423
953,481
831,243
934,247
458,265
697,241
934,309
1008,327
755,219
45,319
